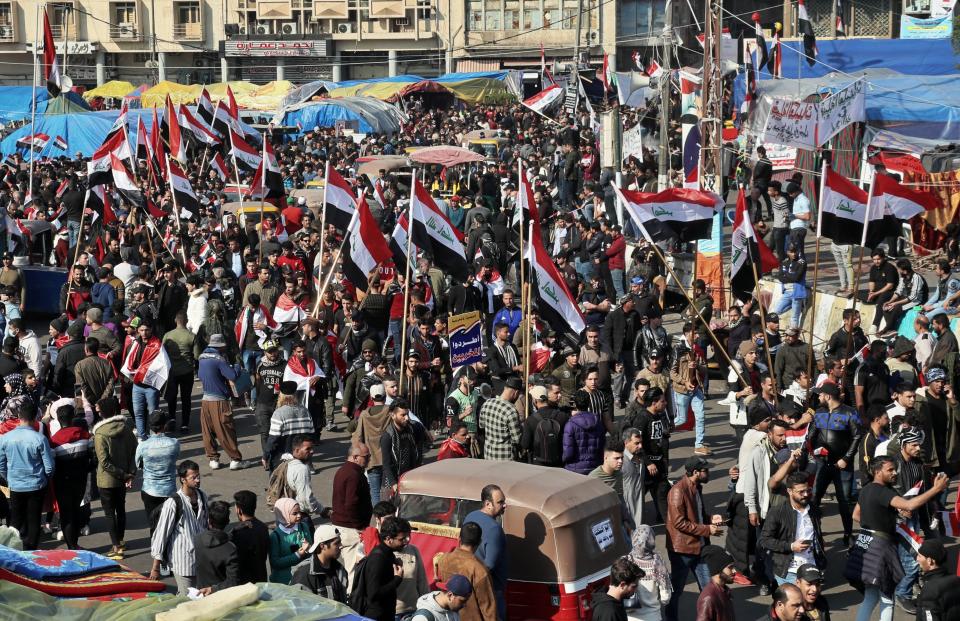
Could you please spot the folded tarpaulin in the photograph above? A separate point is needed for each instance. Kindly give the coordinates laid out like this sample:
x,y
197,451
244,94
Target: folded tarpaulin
x,y
53,564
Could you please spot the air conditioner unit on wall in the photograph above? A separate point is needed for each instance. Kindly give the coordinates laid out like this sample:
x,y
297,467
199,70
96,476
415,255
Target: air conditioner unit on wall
x,y
346,28
288,28
264,28
126,30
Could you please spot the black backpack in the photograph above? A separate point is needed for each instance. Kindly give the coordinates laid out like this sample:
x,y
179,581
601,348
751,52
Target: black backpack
x,y
547,441
177,515
358,597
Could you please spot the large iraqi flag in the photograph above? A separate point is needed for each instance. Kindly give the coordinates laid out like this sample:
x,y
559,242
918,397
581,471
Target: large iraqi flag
x,y
681,213
364,247
747,251
433,232
555,302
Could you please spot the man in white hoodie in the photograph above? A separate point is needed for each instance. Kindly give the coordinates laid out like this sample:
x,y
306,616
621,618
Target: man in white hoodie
x,y
29,344
196,302
445,604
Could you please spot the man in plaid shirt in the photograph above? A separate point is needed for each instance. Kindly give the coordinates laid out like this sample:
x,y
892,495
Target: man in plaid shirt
x,y
500,423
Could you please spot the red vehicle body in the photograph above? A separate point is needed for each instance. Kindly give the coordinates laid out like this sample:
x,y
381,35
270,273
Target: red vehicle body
x,y
563,530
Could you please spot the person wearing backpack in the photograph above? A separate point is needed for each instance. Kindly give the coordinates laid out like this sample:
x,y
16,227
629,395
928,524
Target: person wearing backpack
x,y
181,518
379,575
445,604
541,437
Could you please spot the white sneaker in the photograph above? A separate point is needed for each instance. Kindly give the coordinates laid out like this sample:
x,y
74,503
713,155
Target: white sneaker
x,y
85,531
214,464
59,535
730,399
236,465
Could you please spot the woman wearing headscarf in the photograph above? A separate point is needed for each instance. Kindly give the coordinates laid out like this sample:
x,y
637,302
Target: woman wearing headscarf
x,y
290,541
10,406
653,589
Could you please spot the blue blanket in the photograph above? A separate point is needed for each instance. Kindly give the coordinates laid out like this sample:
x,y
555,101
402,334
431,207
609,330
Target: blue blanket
x,y
54,564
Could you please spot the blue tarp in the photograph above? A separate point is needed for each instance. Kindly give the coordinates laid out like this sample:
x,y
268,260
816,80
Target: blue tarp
x,y
907,56
83,132
370,115
15,102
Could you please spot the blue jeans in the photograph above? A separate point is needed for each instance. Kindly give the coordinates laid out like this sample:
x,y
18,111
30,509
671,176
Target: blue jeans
x,y
145,401
796,309
790,578
584,268
251,360
617,276
684,402
842,481
73,231
680,567
911,570
871,597
395,331
375,479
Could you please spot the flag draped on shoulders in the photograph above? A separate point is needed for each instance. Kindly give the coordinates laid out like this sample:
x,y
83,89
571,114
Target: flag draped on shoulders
x,y
150,367
249,318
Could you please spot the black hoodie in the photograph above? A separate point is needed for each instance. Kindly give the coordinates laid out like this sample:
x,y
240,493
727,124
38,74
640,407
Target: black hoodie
x,y
216,560
606,608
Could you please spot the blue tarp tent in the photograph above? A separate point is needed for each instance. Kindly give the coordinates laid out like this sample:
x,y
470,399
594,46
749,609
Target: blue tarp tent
x,y
83,132
15,102
368,114
907,56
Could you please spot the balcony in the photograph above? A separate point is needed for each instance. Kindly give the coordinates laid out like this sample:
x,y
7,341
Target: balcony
x,y
125,31
189,31
63,32
8,22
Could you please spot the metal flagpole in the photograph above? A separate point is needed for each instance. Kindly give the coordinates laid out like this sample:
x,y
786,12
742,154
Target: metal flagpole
x,y
521,186
856,277
816,272
527,349
406,281
763,320
33,112
263,185
323,237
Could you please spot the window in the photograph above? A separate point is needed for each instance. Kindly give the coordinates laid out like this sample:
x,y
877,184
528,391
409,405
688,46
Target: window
x,y
492,14
511,15
8,26
475,15
187,21
532,18
188,13
434,510
569,18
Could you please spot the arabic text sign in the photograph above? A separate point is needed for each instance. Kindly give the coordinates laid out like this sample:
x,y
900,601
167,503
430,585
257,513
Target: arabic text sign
x,y
465,345
844,107
276,48
792,123
633,143
931,28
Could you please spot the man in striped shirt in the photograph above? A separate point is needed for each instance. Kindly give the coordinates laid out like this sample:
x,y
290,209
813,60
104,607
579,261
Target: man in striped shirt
x,y
182,518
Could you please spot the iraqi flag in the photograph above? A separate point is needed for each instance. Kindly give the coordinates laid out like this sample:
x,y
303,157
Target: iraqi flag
x,y
99,202
762,53
158,150
242,152
226,116
555,303
61,143
398,242
749,255
154,367
675,213
51,67
545,99
843,209
378,193
99,169
338,202
143,142
205,107
653,69
200,131
267,180
899,200
183,194
806,29
526,210
124,182
34,141
175,139
219,166
912,539
775,63
287,311
364,247
434,233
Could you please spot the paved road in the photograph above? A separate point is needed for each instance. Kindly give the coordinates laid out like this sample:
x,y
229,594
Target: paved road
x,y
330,452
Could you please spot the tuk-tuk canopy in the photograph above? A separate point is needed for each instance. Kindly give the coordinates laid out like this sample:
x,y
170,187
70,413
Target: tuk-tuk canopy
x,y
561,527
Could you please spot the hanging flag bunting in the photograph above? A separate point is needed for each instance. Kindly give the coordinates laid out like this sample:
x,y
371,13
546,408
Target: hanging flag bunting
x,y
748,253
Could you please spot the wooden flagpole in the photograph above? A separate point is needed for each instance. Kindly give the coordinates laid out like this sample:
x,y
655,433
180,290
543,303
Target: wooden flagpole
x,y
816,273
323,237
856,277
527,349
176,211
406,281
763,320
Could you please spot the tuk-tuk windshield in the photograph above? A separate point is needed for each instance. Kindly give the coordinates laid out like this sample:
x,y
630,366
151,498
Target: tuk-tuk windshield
x,y
436,510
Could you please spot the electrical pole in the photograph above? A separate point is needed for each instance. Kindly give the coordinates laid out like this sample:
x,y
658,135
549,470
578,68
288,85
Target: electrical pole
x,y
663,172
711,125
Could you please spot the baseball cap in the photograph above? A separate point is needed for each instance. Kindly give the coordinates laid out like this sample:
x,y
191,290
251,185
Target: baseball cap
x,y
323,534
773,318
538,393
933,549
377,392
809,573
458,585
830,389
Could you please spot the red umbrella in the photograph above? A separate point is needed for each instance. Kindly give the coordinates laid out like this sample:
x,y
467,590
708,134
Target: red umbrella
x,y
445,156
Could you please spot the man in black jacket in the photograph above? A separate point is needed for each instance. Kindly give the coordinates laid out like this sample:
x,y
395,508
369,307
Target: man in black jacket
x,y
171,299
608,605
654,426
791,531
383,571
69,355
762,174
939,598
251,538
844,345
324,575
217,564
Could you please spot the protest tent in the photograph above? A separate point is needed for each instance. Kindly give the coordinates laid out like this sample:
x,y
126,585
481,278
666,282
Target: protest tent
x,y
16,102
267,97
156,97
114,89
363,114
906,56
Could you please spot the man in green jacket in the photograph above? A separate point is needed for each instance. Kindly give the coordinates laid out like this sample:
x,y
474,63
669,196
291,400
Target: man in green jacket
x,y
116,448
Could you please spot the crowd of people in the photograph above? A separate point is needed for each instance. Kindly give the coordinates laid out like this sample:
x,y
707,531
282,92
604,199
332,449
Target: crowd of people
x,y
156,310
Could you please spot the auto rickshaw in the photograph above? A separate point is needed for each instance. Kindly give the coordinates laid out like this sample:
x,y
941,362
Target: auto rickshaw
x,y
563,529
250,211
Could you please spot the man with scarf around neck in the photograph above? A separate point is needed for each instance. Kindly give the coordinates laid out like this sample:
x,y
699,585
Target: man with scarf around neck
x,y
147,365
400,445
216,413
311,385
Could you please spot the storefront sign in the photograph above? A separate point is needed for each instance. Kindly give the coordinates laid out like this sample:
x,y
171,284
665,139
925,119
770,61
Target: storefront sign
x,y
277,48
73,47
